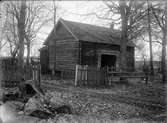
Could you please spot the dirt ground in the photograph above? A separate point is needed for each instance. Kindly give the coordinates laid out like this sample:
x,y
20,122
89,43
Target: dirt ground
x,y
118,102
122,102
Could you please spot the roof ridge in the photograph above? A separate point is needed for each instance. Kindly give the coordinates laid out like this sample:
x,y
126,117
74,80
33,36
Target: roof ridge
x,y
101,27
69,30
114,31
83,23
92,33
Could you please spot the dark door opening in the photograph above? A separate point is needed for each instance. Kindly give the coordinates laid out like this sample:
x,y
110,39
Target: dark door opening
x,y
108,60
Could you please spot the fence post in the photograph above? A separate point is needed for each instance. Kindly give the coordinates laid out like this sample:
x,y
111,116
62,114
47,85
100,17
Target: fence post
x,y
39,74
86,74
35,77
62,74
33,74
76,74
83,75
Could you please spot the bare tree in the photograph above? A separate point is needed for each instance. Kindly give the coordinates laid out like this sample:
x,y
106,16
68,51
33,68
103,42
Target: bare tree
x,y
54,9
160,13
35,20
132,14
23,21
150,39
14,27
21,35
11,32
1,26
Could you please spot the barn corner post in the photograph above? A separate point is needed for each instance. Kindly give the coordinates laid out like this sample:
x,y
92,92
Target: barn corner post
x,y
77,67
76,75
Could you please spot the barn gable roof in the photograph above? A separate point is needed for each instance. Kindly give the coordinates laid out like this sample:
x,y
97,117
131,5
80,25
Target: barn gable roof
x,y
90,33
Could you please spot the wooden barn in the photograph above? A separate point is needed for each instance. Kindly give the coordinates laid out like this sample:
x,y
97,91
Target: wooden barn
x,y
72,43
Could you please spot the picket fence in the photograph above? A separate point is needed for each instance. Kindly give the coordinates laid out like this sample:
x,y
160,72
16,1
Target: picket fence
x,y
90,76
32,72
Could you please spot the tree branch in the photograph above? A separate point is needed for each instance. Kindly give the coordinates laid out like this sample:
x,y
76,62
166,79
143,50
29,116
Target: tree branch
x,y
156,17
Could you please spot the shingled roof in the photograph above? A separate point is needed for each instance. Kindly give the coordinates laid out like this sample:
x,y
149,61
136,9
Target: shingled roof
x,y
91,33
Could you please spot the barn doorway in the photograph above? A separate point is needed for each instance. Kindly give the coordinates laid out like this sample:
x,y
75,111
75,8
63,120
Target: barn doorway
x,y
108,60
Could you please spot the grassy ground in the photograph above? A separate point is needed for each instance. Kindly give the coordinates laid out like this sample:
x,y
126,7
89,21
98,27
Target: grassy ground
x,y
120,101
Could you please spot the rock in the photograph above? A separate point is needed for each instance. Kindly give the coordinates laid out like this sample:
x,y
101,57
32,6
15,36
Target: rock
x,y
20,112
64,110
33,104
57,101
19,106
41,114
7,112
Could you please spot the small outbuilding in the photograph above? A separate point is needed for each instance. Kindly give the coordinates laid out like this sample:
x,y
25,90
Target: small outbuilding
x,y
71,43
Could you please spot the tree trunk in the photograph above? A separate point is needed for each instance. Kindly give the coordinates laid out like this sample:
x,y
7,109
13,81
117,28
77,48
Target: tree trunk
x,y
28,54
164,43
0,31
123,53
21,30
0,42
163,64
124,37
150,42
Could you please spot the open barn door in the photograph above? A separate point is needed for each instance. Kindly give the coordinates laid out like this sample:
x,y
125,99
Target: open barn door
x,y
108,61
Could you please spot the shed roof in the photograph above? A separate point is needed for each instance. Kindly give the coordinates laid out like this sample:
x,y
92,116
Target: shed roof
x,y
91,33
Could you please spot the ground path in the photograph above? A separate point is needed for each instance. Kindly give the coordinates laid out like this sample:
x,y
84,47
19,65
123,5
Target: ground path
x,y
153,106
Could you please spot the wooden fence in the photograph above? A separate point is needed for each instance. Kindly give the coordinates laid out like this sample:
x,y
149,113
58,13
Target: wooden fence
x,y
68,74
9,72
28,72
32,72
90,76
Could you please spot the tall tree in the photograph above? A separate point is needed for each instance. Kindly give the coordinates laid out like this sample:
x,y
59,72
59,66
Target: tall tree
x,y
150,39
160,14
3,25
15,27
54,10
54,22
131,13
21,35
35,20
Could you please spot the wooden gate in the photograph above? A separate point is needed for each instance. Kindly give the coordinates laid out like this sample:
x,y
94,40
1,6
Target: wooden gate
x,y
90,76
32,72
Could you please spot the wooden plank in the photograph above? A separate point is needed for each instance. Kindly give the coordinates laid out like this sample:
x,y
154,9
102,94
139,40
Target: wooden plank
x,y
89,76
66,54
